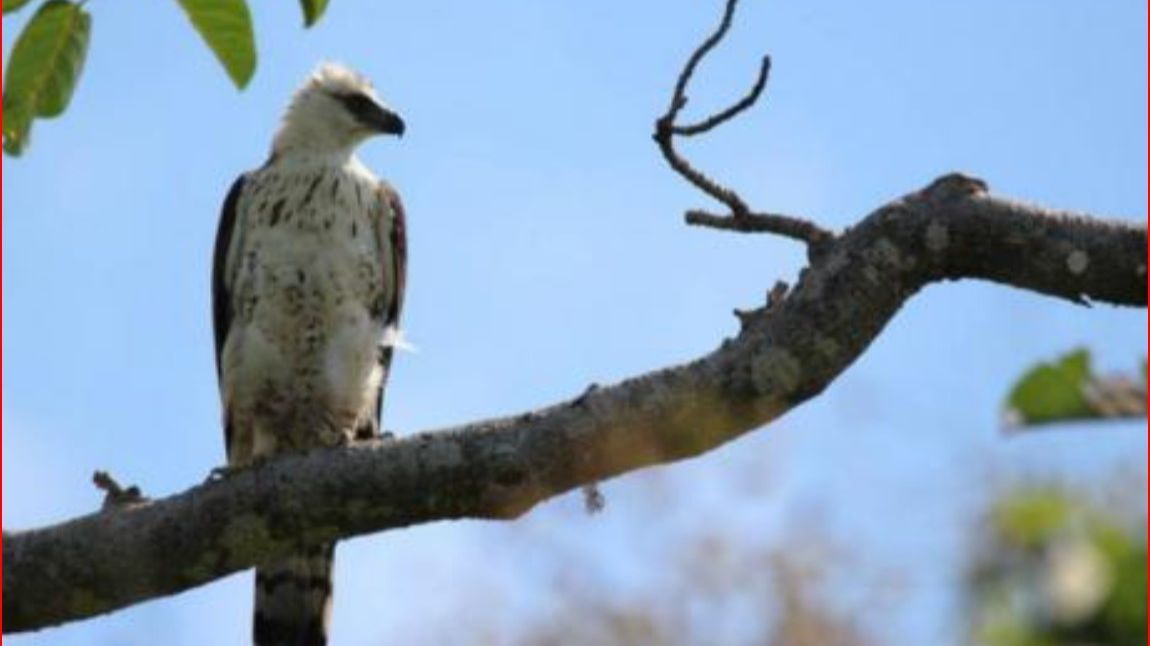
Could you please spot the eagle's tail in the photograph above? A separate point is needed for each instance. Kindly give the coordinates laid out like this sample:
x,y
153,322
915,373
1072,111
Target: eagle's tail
x,y
293,599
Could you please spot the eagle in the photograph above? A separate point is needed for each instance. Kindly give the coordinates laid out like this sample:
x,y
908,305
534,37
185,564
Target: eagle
x,y
307,286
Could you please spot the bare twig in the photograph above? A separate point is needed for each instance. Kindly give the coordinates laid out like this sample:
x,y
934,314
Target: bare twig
x,y
786,225
719,118
741,217
679,98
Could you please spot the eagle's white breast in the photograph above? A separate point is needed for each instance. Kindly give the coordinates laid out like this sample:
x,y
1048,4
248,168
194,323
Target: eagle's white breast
x,y
306,270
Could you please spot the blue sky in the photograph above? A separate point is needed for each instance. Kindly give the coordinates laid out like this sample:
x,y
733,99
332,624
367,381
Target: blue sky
x,y
548,252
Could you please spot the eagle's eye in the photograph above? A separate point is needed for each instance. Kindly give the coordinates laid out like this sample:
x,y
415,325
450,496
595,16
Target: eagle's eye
x,y
358,104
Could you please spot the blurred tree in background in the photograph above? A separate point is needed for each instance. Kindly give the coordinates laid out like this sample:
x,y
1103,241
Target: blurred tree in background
x,y
1054,567
721,592
1049,565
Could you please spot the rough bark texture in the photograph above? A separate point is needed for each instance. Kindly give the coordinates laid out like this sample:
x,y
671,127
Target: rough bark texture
x,y
786,353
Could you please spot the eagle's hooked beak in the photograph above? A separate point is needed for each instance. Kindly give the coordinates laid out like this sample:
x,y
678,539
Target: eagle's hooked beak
x,y
385,121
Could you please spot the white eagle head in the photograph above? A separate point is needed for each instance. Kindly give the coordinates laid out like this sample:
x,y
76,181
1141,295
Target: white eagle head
x,y
334,111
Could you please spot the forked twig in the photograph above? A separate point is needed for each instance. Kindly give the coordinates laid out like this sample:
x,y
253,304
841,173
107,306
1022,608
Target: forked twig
x,y
741,217
742,104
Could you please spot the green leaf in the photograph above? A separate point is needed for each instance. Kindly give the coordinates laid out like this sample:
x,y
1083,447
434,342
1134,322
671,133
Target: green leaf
x,y
43,68
13,5
1051,392
17,126
1068,390
226,26
312,11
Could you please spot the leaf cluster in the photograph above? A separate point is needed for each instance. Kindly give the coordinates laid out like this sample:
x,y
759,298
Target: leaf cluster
x,y
48,57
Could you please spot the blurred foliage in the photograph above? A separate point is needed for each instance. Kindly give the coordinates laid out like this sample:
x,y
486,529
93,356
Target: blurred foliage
x,y
48,56
1052,568
718,591
1068,390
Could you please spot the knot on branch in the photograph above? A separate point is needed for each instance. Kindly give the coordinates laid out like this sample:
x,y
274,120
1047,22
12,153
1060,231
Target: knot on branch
x,y
775,297
747,317
777,294
954,186
115,495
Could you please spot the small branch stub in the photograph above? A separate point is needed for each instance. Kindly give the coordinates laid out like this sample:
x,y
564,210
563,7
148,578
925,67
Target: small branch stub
x,y
593,499
115,495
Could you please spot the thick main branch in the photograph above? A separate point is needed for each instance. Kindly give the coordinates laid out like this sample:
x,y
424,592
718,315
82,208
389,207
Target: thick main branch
x,y
785,354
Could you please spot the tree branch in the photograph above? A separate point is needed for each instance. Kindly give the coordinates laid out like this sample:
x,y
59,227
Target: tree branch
x,y
784,355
